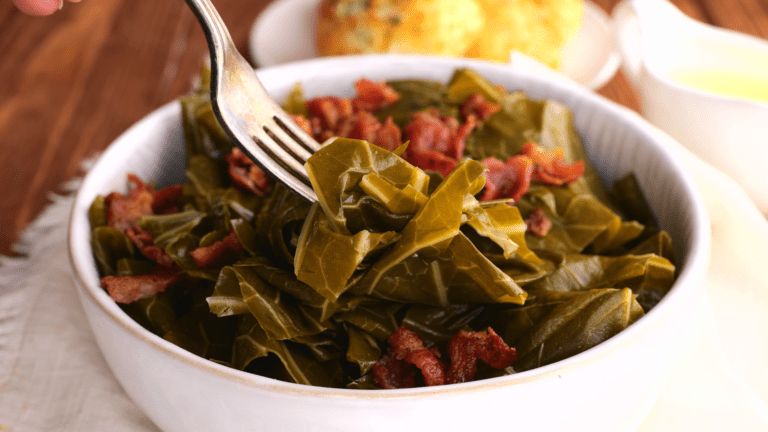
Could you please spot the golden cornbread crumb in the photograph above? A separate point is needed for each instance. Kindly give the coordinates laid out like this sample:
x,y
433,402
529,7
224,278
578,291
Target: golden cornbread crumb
x,y
537,28
487,29
441,27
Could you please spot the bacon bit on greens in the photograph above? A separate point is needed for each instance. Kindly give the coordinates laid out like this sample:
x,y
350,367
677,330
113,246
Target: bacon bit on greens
x,y
142,200
477,106
538,223
397,368
146,244
123,210
550,168
128,289
373,96
218,250
326,113
510,179
246,174
466,348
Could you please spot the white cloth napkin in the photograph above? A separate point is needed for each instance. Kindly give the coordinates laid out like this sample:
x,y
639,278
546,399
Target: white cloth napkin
x,y
53,378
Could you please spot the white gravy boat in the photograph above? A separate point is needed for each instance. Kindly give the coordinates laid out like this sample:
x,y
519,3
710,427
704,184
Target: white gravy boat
x,y
658,43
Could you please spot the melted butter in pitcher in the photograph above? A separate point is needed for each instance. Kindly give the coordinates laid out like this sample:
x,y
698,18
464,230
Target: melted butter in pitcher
x,y
737,84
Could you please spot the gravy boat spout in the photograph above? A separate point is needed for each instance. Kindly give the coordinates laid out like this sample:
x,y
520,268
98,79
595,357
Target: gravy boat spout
x,y
706,87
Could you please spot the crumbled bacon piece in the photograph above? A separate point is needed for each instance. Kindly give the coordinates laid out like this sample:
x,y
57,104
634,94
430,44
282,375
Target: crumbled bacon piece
x,y
389,372
436,143
388,136
302,122
476,105
329,110
550,167
510,179
246,174
427,131
407,345
538,223
123,210
406,348
430,160
142,200
146,244
128,289
373,95
465,348
218,250
406,353
361,125
165,200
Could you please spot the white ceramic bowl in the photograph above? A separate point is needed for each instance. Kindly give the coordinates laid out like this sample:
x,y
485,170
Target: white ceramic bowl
x,y
607,388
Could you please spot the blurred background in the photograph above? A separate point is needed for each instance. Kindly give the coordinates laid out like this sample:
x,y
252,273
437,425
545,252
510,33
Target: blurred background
x,y
70,83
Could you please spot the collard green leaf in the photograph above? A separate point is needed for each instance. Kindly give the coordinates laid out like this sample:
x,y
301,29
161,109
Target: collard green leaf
x,y
577,325
252,343
97,213
203,176
655,282
246,234
279,223
436,324
295,102
511,322
406,201
279,314
338,167
466,82
365,213
376,318
505,132
362,350
227,299
659,244
325,346
202,333
582,272
326,259
203,134
132,267
109,245
501,223
166,229
455,273
155,313
629,197
437,222
577,219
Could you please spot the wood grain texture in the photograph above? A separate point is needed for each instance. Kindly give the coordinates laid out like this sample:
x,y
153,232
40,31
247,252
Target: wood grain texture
x,y
72,82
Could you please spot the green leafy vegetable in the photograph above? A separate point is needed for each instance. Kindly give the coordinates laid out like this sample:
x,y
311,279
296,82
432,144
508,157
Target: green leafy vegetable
x,y
310,293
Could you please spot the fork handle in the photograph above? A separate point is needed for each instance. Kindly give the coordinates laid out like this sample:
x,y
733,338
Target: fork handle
x,y
215,30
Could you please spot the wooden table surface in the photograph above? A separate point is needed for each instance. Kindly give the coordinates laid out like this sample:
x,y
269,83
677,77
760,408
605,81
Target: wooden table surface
x,y
72,82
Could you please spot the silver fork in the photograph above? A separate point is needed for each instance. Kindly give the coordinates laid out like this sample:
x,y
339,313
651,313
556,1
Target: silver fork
x,y
256,124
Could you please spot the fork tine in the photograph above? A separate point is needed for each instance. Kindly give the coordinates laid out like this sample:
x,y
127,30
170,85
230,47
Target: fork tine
x,y
287,142
298,134
275,150
274,159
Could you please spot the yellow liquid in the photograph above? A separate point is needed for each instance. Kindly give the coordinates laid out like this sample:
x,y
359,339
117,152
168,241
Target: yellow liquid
x,y
741,85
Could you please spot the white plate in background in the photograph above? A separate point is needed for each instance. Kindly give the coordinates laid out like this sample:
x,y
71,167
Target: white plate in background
x,y
285,32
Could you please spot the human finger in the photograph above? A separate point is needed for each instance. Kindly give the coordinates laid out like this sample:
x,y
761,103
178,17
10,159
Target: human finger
x,y
38,7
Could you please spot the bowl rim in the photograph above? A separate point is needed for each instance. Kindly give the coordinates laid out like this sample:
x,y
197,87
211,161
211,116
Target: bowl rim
x,y
690,277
